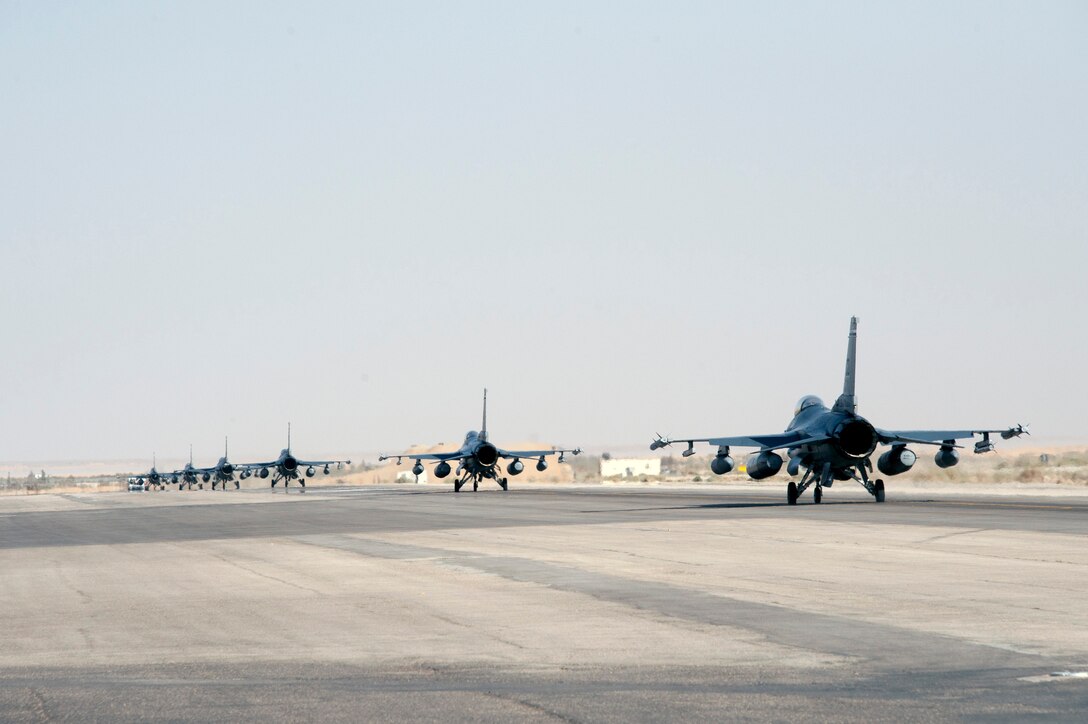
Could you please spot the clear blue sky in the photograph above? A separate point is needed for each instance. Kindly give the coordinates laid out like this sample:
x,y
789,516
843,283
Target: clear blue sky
x,y
621,217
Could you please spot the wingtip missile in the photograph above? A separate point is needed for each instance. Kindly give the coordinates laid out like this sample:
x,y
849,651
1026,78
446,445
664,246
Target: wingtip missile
x,y
1016,431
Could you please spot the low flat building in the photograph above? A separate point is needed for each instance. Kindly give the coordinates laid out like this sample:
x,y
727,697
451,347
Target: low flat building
x,y
631,468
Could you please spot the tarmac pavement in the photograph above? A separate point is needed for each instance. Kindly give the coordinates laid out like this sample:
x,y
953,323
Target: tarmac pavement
x,y
544,603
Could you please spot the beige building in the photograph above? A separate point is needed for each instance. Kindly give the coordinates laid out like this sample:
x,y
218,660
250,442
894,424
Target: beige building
x,y
630,467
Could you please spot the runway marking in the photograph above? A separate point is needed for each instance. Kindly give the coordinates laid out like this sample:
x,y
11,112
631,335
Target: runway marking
x,y
1018,506
1056,676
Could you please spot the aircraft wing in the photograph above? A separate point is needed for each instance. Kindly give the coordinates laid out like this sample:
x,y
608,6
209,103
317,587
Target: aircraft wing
x,y
454,455
938,437
772,441
538,453
255,466
319,463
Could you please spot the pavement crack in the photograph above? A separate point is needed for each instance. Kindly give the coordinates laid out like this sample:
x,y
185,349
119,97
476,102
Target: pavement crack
x,y
38,707
945,536
537,708
247,569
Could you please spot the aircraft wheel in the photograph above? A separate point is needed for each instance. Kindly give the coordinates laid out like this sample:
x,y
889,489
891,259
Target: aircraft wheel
x,y
504,483
457,486
817,495
879,485
475,486
791,493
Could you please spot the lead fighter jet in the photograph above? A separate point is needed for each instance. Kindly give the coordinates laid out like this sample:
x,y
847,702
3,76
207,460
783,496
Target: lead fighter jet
x,y
837,444
478,459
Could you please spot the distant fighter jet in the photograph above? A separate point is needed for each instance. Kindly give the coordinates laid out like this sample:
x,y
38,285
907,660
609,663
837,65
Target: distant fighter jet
x,y
152,478
187,475
836,444
287,467
221,472
477,459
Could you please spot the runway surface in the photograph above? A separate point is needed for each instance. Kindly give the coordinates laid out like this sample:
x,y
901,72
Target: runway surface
x,y
543,604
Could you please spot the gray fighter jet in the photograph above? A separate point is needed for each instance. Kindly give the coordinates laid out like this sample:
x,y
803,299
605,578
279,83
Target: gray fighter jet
x,y
287,467
223,472
478,459
152,478
188,476
837,444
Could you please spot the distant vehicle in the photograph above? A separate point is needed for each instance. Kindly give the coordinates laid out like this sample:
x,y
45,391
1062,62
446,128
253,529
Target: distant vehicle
x,y
135,484
287,467
477,459
837,443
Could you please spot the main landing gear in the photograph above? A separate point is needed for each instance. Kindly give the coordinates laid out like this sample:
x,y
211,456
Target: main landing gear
x,y
476,479
825,478
286,483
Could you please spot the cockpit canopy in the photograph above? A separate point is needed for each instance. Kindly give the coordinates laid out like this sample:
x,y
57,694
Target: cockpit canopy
x,y
806,402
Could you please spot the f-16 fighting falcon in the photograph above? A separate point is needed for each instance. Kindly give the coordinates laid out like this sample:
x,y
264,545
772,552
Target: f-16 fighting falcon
x,y
221,472
478,459
837,444
287,467
153,477
187,476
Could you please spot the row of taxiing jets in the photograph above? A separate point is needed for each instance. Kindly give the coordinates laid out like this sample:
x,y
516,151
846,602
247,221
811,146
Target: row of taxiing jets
x,y
285,468
823,445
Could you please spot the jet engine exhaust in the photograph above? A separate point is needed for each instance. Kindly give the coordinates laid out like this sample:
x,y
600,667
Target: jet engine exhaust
x,y
856,438
487,454
290,463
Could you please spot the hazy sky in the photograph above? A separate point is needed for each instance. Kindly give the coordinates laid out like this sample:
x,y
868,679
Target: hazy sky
x,y
620,217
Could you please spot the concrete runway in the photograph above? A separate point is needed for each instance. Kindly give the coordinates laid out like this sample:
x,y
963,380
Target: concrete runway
x,y
542,604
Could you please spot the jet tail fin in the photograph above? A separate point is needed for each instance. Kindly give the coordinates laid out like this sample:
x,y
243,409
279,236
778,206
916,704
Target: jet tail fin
x,y
483,430
848,401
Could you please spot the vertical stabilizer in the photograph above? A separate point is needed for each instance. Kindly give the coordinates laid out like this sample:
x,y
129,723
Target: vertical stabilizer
x,y
483,430
226,446
848,401
190,454
288,437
